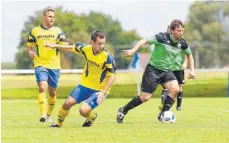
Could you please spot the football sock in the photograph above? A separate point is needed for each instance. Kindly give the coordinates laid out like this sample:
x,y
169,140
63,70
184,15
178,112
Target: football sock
x,y
179,98
51,104
42,103
167,104
61,116
164,94
91,115
136,101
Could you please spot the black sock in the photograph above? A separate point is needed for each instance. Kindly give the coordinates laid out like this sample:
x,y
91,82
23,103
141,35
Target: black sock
x,y
167,104
132,104
179,99
164,94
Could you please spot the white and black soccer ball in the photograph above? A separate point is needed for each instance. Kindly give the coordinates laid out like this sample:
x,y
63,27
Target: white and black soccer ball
x,y
168,117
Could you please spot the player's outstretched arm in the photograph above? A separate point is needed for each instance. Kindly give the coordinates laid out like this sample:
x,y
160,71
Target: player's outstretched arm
x,y
135,48
61,47
191,65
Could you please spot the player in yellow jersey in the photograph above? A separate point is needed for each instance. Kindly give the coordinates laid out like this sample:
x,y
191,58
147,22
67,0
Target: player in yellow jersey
x,y
96,80
46,61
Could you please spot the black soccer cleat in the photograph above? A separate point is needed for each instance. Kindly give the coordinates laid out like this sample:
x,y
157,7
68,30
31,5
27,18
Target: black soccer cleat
x,y
159,117
120,115
54,126
89,122
43,119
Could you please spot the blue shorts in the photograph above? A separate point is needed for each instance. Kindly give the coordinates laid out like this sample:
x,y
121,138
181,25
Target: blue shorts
x,y
49,75
82,93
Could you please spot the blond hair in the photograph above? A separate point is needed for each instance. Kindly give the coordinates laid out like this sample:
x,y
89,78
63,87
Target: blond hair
x,y
47,10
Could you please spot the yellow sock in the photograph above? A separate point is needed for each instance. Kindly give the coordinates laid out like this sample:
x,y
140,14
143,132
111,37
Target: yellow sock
x,y
91,115
42,103
61,116
51,104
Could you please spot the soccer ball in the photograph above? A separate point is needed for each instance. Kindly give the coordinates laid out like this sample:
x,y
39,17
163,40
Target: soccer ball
x,y
168,117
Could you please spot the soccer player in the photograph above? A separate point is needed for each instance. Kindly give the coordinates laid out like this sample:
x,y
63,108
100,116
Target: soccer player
x,y
166,55
179,74
46,61
96,80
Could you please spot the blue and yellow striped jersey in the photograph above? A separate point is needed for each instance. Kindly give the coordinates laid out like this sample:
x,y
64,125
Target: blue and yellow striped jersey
x,y
46,57
98,68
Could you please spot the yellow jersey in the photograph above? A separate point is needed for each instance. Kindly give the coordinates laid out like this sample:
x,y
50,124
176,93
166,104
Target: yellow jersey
x,y
98,68
46,57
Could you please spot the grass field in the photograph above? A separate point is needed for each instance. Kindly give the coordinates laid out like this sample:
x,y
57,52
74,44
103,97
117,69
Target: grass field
x,y
202,120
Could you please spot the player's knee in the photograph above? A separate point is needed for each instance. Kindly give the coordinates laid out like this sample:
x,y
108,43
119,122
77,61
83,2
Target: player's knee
x,y
175,89
145,97
83,111
42,88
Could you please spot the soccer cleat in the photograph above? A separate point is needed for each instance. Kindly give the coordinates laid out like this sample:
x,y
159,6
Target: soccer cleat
x,y
49,119
54,126
89,122
178,108
159,117
43,119
120,115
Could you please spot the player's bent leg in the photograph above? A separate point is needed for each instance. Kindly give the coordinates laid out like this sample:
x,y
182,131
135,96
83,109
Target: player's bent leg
x,y
42,100
136,101
86,110
64,110
173,88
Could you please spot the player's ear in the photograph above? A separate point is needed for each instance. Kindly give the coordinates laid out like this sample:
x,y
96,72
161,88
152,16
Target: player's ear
x,y
92,42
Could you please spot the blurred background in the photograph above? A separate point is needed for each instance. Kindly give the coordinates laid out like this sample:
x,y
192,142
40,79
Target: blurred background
x,y
124,22
206,28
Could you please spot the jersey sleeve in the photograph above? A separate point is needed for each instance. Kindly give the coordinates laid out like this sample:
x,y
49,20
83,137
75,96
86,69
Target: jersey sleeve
x,y
188,51
31,41
110,65
151,40
78,48
61,38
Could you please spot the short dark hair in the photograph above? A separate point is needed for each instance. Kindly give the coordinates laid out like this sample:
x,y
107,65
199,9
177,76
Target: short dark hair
x,y
175,23
96,34
48,9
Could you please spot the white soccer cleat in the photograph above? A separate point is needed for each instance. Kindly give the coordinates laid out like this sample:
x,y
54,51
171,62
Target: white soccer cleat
x,y
49,119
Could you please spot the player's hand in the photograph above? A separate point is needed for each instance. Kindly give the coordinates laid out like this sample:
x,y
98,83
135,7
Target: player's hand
x,y
192,75
101,97
49,45
31,54
127,53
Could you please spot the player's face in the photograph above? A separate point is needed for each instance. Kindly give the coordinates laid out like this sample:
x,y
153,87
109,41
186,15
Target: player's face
x,y
98,45
178,32
49,18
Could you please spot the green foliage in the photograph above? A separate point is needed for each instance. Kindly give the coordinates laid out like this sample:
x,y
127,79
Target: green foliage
x,y
8,65
77,28
207,29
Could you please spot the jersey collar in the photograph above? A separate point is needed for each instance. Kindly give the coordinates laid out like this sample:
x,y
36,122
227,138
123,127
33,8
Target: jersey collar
x,y
45,28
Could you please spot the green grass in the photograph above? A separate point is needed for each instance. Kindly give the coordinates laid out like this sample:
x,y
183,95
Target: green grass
x,y
202,120
194,88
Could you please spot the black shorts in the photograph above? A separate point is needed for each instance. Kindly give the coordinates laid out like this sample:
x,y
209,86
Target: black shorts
x,y
180,76
153,76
